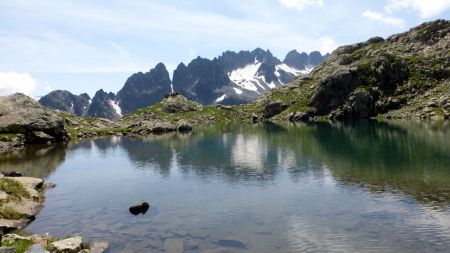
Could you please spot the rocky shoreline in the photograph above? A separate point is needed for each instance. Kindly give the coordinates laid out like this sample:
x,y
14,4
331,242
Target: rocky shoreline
x,y
21,200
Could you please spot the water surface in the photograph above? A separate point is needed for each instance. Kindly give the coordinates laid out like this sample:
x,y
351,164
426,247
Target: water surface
x,y
350,187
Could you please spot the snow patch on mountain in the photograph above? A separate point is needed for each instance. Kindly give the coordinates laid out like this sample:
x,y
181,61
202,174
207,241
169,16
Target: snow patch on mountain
x,y
221,98
238,91
245,77
116,107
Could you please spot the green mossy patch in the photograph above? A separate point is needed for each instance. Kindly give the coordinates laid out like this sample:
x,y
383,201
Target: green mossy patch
x,y
20,245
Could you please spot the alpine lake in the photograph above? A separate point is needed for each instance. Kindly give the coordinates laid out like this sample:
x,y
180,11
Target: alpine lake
x,y
357,186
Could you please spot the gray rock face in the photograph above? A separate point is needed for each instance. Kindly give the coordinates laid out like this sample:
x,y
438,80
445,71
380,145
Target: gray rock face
x,y
21,114
273,108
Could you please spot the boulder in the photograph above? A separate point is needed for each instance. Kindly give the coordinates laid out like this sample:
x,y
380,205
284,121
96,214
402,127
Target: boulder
x,y
139,208
21,114
299,116
154,126
69,245
178,103
273,108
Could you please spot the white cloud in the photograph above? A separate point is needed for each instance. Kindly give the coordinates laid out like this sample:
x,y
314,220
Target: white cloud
x,y
300,4
426,9
327,44
380,17
12,82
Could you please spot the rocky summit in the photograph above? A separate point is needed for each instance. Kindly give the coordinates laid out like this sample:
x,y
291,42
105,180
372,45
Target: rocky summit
x,y
404,76
23,118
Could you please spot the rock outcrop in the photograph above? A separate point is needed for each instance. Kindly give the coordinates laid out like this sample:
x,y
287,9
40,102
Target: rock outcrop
x,y
405,75
20,201
22,115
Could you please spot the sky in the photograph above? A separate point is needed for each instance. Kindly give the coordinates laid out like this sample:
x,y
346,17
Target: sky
x,y
85,45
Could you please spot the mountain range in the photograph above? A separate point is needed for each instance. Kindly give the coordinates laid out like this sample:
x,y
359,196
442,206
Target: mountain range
x,y
232,78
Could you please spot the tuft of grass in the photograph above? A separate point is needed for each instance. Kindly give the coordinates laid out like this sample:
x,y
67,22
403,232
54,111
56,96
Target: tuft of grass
x,y
13,188
20,245
10,214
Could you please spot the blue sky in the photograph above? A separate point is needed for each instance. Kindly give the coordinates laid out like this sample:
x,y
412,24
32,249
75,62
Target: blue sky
x,y
83,46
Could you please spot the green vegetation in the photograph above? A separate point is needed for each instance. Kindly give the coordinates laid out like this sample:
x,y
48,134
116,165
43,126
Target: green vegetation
x,y
13,188
16,191
20,245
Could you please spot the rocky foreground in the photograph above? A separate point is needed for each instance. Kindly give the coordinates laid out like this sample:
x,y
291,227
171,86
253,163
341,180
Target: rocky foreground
x,y
21,199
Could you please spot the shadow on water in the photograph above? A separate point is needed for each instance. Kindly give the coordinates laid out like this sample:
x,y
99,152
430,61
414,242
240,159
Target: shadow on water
x,y
34,161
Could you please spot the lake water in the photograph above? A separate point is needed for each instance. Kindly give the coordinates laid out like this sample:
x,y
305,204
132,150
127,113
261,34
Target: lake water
x,y
360,186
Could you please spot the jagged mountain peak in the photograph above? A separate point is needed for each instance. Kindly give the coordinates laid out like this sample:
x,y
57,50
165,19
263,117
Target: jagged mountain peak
x,y
231,78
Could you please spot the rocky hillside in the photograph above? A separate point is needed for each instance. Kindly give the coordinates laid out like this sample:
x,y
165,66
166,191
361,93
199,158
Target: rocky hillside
x,y
232,78
406,75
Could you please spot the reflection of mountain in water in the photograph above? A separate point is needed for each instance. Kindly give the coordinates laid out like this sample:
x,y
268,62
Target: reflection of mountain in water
x,y
34,161
412,158
409,157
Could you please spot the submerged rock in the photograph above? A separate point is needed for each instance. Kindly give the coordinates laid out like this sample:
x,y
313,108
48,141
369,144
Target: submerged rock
x,y
173,246
37,248
139,208
231,243
69,245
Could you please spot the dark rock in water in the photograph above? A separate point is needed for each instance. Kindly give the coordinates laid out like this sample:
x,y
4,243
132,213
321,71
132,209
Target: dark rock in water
x,y
274,108
12,174
140,208
232,244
